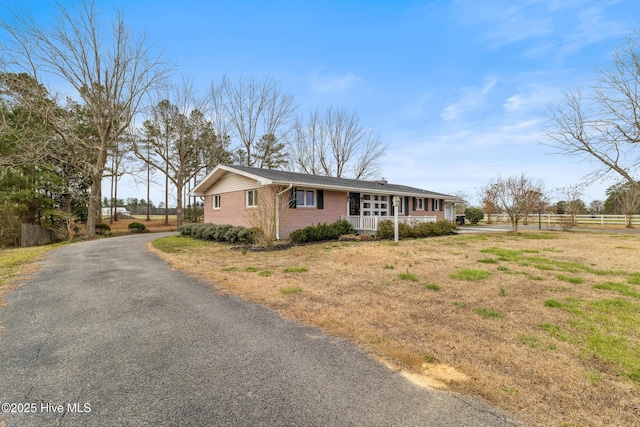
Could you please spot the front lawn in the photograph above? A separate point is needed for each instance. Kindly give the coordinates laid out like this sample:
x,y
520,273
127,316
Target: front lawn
x,y
543,325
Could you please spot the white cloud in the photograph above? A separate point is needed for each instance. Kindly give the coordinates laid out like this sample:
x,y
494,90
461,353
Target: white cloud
x,y
335,82
472,98
549,27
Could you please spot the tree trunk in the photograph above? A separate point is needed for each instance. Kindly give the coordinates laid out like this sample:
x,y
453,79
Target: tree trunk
x,y
94,204
179,211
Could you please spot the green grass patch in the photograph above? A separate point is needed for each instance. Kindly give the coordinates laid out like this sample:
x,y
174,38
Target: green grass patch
x,y
176,244
606,329
458,304
529,340
539,236
470,274
251,269
622,288
557,288
552,303
634,279
510,390
432,286
296,270
429,358
541,263
389,266
503,254
291,290
408,276
543,267
570,279
554,331
229,269
488,261
504,268
265,273
485,312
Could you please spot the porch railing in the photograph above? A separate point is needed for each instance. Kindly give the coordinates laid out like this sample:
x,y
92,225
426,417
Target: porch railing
x,y
370,223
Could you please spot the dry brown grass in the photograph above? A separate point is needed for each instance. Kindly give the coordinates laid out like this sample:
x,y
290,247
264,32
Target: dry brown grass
x,y
154,225
434,337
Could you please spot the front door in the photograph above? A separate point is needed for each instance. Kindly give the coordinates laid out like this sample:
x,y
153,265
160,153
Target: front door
x,y
354,204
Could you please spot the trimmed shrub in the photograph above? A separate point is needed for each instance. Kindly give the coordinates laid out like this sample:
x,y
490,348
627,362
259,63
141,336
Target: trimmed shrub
x,y
405,230
385,230
221,232
209,232
185,230
320,232
418,230
247,236
102,228
231,236
199,229
473,215
137,227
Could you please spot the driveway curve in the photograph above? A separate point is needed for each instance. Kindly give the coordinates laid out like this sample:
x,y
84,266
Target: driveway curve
x,y
107,334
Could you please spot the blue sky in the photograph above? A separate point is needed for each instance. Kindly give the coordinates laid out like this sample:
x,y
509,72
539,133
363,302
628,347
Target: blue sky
x,y
457,90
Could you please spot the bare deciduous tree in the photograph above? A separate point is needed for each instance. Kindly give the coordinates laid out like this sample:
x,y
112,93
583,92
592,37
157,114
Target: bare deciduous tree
x,y
181,140
603,126
110,72
596,207
516,196
624,198
336,144
256,112
573,204
629,202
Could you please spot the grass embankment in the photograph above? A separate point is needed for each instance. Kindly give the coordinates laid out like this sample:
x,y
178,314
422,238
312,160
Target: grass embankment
x,y
543,325
16,261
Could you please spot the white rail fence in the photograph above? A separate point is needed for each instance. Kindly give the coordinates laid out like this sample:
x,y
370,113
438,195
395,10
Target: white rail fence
x,y
370,223
555,219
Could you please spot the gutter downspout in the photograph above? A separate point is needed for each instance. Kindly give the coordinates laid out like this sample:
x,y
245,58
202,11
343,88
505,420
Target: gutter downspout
x,y
278,209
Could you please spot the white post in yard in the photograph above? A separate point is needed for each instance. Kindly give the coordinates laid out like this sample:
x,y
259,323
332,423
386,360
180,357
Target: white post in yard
x,y
396,202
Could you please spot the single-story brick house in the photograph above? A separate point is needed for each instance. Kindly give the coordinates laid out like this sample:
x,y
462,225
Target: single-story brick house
x,y
248,196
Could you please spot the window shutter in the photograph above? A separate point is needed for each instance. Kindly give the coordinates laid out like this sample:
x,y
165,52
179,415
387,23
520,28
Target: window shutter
x,y
406,206
292,198
320,199
441,204
393,212
414,203
433,204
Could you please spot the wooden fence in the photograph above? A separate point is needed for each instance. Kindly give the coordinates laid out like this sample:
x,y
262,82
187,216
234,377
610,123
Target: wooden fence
x,y
35,235
555,219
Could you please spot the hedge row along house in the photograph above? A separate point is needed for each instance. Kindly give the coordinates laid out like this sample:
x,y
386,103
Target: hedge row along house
x,y
280,202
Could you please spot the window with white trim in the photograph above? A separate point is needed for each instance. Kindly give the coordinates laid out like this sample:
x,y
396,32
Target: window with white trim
x,y
252,198
436,204
305,198
215,202
419,204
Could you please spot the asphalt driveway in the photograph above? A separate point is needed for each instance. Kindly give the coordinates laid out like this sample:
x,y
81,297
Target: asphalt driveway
x,y
107,334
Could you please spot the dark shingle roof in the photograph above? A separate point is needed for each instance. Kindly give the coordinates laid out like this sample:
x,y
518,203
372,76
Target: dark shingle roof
x,y
297,178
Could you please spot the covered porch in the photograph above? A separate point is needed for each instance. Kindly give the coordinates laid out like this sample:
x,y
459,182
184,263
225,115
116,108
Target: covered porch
x,y
370,223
